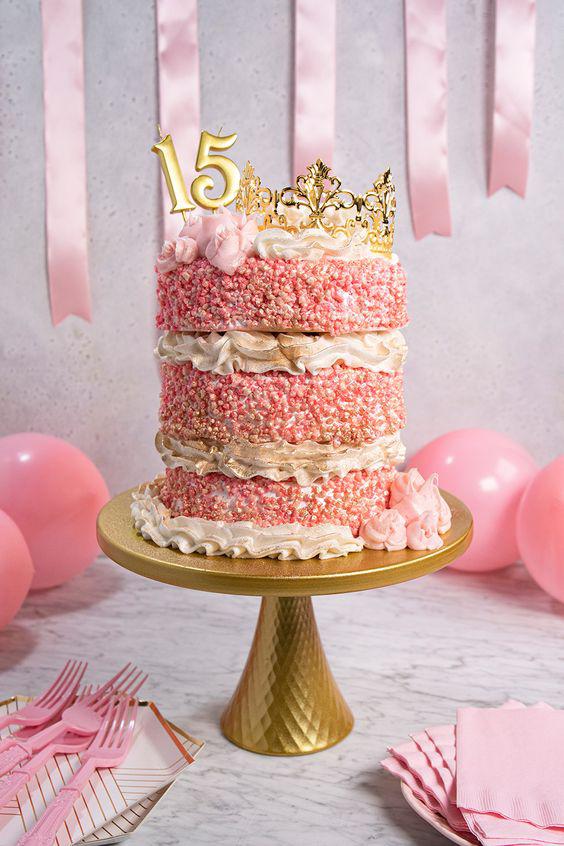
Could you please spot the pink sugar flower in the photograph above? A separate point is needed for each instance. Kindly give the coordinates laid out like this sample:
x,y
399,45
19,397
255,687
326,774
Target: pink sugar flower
x,y
385,530
199,228
186,250
204,228
228,249
422,532
167,259
180,251
248,231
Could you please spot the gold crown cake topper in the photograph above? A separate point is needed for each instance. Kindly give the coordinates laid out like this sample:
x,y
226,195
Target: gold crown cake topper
x,y
317,197
368,217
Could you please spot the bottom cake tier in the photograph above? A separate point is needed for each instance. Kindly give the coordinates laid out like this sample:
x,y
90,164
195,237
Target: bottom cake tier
x,y
259,517
347,501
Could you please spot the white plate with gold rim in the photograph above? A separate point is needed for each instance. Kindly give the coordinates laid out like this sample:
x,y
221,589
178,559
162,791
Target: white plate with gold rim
x,y
123,826
435,820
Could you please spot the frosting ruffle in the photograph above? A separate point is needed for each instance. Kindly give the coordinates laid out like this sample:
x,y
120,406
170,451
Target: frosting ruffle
x,y
259,352
311,245
306,462
239,539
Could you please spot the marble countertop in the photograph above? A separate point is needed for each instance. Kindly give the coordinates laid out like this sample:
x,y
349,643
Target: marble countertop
x,y
405,657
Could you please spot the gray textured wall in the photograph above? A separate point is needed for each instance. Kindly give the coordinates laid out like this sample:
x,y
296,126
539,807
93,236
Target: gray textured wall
x,y
486,305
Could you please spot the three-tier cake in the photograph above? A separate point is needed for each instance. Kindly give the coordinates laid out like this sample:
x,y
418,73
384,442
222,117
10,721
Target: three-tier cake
x,y
282,399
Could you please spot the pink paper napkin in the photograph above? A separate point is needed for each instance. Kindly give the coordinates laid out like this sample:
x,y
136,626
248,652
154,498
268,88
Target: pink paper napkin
x,y
411,759
437,777
497,831
397,769
510,762
428,765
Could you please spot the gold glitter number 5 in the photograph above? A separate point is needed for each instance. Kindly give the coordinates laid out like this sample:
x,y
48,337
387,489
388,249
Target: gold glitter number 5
x,y
208,157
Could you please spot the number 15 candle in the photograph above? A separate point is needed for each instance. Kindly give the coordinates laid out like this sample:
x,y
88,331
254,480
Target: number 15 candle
x,y
207,157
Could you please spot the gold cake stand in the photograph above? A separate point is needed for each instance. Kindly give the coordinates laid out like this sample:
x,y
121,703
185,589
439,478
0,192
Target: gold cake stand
x,y
287,701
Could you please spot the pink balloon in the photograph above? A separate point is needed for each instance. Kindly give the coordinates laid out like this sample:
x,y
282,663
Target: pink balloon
x,y
53,492
16,569
540,528
489,473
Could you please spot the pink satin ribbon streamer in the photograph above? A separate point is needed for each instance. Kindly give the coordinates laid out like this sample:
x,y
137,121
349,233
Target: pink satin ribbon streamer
x,y
179,89
426,94
513,97
65,159
314,82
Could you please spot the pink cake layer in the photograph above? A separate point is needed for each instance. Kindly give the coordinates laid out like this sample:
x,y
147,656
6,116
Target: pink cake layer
x,y
348,501
337,405
284,295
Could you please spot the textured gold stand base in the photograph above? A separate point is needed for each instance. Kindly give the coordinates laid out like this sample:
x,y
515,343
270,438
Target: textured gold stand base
x,y
287,701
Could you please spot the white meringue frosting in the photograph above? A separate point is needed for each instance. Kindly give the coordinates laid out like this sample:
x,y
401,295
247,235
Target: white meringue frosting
x,y
312,245
241,539
296,353
278,460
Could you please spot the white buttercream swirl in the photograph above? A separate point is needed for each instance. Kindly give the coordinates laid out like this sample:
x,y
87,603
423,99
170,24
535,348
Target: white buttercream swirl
x,y
312,245
240,539
296,353
305,462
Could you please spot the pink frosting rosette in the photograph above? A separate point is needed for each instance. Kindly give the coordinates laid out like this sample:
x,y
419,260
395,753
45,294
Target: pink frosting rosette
x,y
223,238
412,495
417,515
405,484
444,515
180,251
422,532
385,530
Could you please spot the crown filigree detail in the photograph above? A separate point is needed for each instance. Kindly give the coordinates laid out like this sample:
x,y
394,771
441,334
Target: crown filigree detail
x,y
317,201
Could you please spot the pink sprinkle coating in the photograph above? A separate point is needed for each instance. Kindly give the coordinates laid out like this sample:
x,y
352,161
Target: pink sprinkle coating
x,y
337,405
349,501
329,295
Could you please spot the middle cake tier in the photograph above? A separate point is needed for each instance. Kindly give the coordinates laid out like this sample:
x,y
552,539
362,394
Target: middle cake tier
x,y
338,405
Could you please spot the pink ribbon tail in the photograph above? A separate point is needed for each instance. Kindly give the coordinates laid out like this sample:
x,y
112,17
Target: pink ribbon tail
x,y
314,83
65,159
513,96
426,98
179,88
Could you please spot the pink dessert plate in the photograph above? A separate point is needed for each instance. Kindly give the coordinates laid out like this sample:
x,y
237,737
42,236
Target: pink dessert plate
x,y
438,822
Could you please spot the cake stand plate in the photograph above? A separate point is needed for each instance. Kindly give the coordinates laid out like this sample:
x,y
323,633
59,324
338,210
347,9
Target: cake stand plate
x,y
287,701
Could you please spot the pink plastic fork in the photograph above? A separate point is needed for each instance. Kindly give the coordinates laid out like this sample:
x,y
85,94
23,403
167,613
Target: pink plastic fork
x,y
52,701
68,744
84,717
108,749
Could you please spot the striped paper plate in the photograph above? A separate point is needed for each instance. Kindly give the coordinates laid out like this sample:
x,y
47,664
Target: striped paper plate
x,y
115,802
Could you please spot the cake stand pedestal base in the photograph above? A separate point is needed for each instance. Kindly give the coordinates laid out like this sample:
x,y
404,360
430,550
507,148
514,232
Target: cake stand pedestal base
x,y
287,701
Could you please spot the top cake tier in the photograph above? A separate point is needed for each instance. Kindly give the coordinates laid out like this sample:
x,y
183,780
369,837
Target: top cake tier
x,y
284,295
